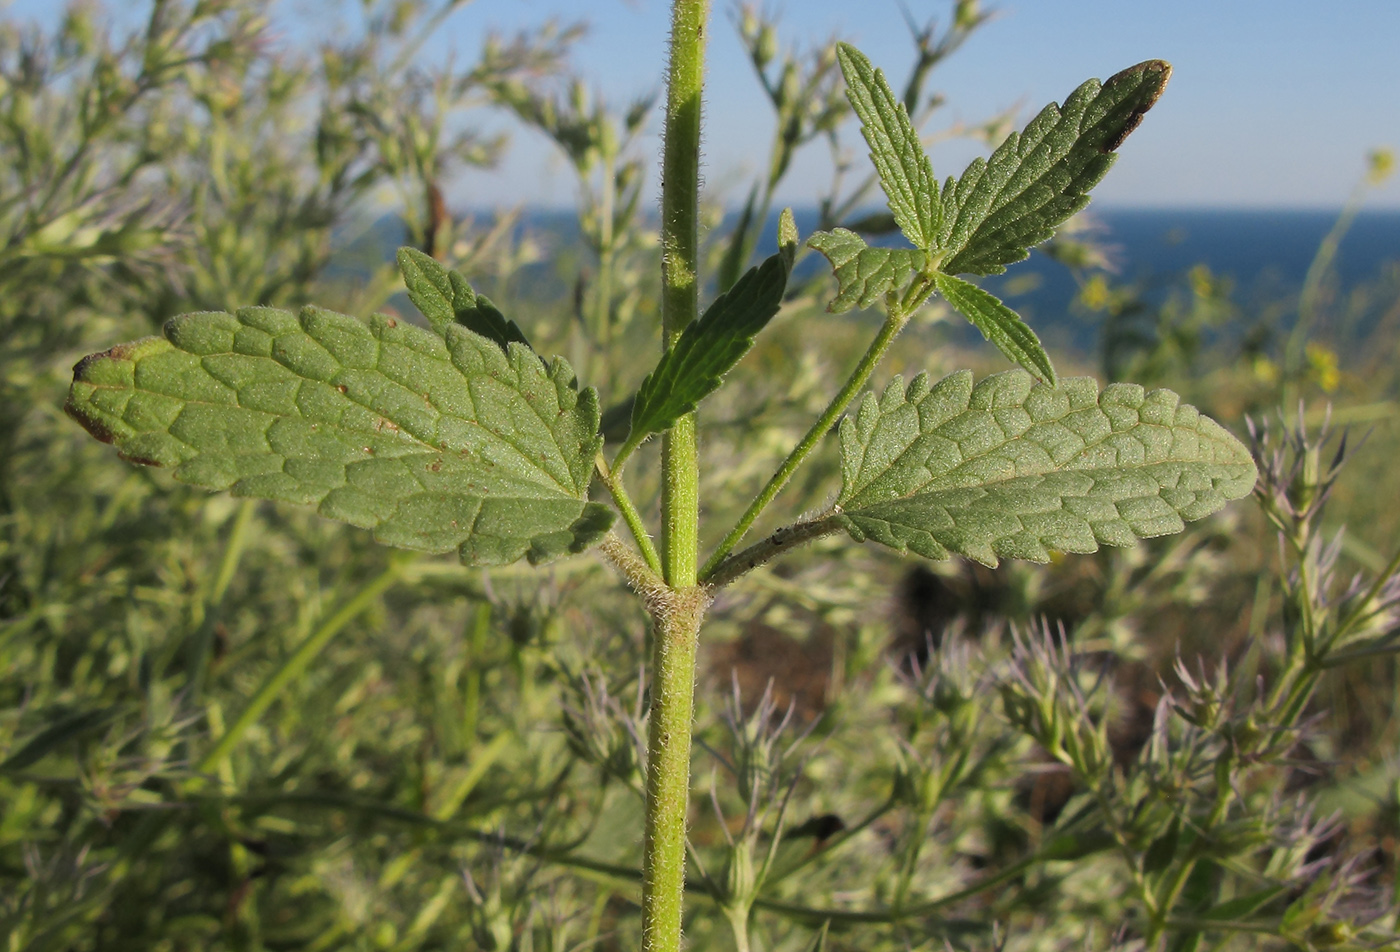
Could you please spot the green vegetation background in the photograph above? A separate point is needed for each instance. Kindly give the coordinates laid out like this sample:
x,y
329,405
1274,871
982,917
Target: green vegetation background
x,y
236,725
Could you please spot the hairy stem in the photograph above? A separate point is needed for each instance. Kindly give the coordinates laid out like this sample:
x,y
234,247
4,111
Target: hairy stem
x,y
646,582
678,617
788,537
668,767
680,200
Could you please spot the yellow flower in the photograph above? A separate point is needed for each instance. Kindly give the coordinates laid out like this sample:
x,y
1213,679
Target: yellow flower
x,y
1094,294
1322,367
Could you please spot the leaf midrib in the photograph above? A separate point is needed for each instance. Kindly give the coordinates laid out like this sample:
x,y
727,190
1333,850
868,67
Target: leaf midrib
x,y
937,483
398,431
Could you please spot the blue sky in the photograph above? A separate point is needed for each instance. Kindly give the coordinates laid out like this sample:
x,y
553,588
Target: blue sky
x,y
1272,103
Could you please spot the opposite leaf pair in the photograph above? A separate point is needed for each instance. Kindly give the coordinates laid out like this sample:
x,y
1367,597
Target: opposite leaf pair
x,y
465,438
460,438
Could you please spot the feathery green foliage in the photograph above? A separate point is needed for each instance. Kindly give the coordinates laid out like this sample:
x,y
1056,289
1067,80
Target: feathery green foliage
x,y
235,725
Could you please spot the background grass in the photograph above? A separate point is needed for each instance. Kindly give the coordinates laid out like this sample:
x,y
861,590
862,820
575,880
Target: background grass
x,y
453,760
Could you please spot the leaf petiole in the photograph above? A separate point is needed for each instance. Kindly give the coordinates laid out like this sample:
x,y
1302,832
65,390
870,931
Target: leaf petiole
x,y
898,316
612,479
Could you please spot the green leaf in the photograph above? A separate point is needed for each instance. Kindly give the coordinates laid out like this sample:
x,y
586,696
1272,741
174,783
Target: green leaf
x,y
905,172
445,298
432,442
1013,469
710,347
1039,177
864,274
998,324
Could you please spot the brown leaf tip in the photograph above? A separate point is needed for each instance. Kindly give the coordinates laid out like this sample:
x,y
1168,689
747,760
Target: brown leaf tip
x,y
1151,76
95,427
84,417
80,369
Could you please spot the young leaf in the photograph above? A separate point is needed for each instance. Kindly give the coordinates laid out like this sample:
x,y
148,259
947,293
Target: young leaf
x,y
710,347
445,298
1013,469
998,324
432,442
864,274
905,172
1039,177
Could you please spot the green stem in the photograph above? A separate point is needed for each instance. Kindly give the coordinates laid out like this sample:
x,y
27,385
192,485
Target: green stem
x,y
739,926
297,663
788,537
898,317
680,199
678,617
668,768
612,479
909,862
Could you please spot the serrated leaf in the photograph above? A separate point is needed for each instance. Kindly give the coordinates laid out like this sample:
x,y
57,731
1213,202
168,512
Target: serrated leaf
x,y
710,347
433,443
446,298
1014,469
1039,177
864,274
904,169
998,324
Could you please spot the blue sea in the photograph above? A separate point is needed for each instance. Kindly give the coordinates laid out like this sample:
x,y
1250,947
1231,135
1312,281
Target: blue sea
x,y
1265,254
